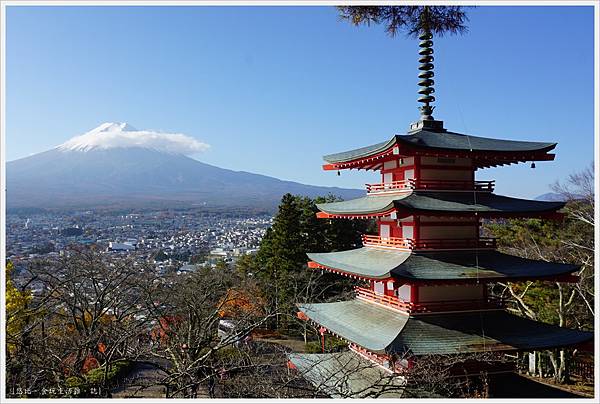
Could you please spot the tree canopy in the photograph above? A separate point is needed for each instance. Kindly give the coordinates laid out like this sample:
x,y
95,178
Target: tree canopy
x,y
280,263
412,20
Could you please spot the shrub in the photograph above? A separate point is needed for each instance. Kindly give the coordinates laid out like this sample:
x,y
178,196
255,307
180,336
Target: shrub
x,y
117,369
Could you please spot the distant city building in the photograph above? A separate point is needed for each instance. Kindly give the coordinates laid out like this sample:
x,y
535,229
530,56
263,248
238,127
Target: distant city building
x,y
218,251
145,237
113,246
187,268
71,231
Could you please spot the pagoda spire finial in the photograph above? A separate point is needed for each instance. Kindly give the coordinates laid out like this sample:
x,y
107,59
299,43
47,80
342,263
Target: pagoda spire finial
x,y
426,75
426,90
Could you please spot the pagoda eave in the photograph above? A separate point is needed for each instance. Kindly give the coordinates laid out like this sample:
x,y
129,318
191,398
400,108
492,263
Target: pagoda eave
x,y
564,278
402,213
479,161
316,265
347,375
326,215
384,330
440,267
486,153
567,278
442,204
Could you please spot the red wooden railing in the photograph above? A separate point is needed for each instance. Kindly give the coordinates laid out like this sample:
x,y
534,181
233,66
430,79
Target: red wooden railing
x,y
389,242
439,185
428,244
392,301
402,185
428,307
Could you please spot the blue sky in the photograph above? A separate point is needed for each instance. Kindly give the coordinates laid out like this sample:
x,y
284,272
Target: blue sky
x,y
272,89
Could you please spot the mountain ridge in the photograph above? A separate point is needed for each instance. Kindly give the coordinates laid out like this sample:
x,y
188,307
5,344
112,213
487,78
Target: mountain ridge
x,y
134,175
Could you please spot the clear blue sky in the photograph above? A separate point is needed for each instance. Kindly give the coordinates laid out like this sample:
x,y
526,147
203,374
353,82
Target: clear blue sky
x,y
272,89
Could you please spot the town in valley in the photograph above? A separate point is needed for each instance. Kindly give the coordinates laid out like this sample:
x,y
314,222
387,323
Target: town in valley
x,y
172,240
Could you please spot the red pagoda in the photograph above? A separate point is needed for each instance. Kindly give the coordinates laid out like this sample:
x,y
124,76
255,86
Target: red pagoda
x,y
426,272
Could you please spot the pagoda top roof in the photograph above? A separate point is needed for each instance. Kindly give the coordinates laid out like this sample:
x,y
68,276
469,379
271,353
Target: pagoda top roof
x,y
444,203
383,330
347,375
378,263
447,142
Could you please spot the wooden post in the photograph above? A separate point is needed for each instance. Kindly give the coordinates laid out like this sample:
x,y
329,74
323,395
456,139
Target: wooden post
x,y
322,332
414,293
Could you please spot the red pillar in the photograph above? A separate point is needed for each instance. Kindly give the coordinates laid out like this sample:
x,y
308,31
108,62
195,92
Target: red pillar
x,y
416,228
417,168
414,293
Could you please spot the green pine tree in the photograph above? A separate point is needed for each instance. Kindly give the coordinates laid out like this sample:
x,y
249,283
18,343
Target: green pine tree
x,y
280,264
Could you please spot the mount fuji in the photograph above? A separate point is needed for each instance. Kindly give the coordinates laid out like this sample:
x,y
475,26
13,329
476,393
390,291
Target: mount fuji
x,y
115,165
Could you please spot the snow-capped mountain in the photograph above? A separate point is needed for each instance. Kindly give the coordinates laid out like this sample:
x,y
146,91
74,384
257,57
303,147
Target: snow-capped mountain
x,y
117,165
119,135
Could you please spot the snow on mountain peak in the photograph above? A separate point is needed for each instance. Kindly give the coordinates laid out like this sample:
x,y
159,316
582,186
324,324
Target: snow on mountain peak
x,y
114,127
111,135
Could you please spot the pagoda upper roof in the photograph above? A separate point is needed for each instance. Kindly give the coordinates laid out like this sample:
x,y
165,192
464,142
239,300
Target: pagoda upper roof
x,y
448,142
383,330
379,263
445,203
347,375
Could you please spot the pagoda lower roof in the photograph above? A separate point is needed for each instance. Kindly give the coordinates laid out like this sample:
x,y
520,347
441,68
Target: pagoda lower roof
x,y
383,330
447,142
380,263
347,375
444,203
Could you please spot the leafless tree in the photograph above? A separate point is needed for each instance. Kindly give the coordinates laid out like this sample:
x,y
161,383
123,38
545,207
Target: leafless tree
x,y
578,191
349,375
88,307
187,345
574,303
86,312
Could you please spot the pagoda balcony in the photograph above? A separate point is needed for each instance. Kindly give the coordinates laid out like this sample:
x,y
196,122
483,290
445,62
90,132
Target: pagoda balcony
x,y
388,242
430,185
491,303
408,244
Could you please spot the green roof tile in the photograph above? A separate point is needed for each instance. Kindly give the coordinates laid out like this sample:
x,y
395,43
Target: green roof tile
x,y
380,329
363,323
378,263
368,262
480,332
442,202
347,375
443,140
366,205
